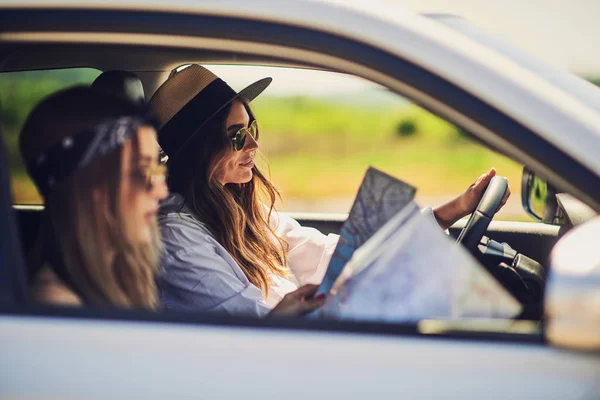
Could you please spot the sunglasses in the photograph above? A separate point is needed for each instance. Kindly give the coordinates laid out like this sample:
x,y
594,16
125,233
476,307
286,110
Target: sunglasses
x,y
239,139
150,176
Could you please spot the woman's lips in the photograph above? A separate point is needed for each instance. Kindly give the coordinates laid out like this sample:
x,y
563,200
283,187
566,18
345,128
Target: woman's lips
x,y
248,164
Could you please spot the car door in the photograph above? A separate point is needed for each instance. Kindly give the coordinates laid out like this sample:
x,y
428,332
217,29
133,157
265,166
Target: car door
x,y
54,354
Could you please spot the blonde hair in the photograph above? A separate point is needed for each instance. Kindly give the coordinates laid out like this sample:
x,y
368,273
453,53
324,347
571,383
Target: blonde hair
x,y
236,214
69,239
69,235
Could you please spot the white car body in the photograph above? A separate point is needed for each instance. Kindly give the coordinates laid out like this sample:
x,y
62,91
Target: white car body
x,y
91,359
68,355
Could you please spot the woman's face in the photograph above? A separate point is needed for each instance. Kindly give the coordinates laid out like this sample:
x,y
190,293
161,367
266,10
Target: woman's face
x,y
139,196
236,166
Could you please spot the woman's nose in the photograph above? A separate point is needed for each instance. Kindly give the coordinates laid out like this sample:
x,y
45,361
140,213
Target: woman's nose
x,y
250,144
159,189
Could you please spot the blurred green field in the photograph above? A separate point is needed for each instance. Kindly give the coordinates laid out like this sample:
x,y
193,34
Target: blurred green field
x,y
317,148
320,149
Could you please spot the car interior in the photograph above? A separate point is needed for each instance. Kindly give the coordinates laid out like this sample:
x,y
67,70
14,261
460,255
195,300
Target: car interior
x,y
13,283
137,71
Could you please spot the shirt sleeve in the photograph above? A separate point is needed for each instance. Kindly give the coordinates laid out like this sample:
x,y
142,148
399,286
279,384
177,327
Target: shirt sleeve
x,y
197,274
309,250
428,212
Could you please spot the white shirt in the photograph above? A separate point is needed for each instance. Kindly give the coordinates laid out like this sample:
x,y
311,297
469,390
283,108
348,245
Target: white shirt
x,y
198,274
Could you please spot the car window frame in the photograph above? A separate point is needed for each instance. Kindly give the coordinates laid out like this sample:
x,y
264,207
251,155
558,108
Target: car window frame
x,y
531,335
402,70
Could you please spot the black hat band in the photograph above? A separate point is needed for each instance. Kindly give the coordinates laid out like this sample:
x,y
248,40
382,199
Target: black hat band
x,y
176,133
79,150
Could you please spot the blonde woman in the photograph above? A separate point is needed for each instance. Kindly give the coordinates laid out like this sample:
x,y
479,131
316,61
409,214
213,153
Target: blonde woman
x,y
226,249
94,159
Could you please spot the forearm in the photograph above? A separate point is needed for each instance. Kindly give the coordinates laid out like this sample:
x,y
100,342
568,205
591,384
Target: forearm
x,y
446,215
466,202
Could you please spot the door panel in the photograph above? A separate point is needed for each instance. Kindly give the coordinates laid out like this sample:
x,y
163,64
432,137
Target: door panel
x,y
74,358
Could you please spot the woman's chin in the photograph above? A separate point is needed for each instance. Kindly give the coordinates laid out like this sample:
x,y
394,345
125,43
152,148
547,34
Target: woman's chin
x,y
143,237
242,177
245,177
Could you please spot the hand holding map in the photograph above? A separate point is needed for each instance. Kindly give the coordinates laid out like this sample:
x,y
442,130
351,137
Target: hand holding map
x,y
379,198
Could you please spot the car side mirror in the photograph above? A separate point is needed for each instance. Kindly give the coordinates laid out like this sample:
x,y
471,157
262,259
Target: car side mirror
x,y
572,296
538,197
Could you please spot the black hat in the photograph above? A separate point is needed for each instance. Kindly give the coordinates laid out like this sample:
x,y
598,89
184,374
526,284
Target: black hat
x,y
190,98
72,128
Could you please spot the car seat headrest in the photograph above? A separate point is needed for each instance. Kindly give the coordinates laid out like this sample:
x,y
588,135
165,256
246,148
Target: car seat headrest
x,y
122,83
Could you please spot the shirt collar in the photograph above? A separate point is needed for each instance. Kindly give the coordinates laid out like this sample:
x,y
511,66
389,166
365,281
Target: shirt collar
x,y
175,203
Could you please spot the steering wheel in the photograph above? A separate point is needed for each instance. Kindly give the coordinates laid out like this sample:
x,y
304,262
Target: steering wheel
x,y
478,222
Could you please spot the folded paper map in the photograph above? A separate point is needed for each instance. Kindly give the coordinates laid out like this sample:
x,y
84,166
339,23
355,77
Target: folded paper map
x,y
379,198
409,269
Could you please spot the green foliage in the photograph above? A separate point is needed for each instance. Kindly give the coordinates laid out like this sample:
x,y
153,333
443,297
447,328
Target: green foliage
x,y
320,148
538,195
461,133
292,125
406,128
595,81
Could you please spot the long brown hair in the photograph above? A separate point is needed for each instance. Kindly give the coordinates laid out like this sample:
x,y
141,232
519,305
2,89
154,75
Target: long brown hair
x,y
69,236
237,214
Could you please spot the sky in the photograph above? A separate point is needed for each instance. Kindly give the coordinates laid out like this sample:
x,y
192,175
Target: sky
x,y
565,33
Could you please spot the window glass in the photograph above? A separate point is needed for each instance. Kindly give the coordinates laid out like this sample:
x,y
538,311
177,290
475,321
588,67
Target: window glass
x,y
321,130
19,93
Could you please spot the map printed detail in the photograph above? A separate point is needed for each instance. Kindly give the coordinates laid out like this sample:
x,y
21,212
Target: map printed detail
x,y
379,198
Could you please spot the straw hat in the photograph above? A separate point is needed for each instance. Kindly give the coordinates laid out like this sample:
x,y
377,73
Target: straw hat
x,y
190,98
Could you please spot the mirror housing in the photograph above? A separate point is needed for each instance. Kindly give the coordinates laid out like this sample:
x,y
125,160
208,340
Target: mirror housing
x,y
572,299
538,197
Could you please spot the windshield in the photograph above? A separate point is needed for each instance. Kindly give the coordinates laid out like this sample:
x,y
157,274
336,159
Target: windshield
x,y
579,88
